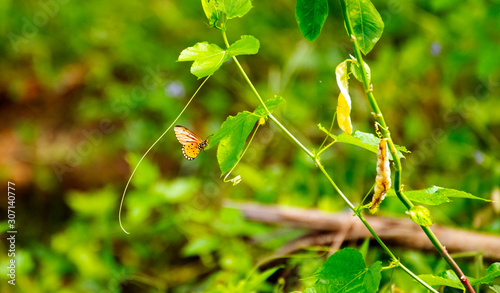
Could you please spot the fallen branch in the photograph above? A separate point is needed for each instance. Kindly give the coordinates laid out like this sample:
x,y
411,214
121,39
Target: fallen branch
x,y
401,232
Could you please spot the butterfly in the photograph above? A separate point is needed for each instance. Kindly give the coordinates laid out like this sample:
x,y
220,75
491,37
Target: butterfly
x,y
191,143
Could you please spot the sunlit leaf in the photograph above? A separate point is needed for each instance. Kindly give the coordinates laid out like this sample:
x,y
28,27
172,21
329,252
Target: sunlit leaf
x,y
270,104
346,271
233,134
427,198
212,9
344,114
365,140
491,273
342,75
236,8
447,278
246,45
366,23
436,195
421,215
495,288
311,16
356,71
207,58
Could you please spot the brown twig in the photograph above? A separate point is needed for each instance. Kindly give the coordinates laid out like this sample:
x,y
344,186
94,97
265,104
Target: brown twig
x,y
397,231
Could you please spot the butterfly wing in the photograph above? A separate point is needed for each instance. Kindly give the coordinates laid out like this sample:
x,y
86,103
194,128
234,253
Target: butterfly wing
x,y
185,136
190,151
191,143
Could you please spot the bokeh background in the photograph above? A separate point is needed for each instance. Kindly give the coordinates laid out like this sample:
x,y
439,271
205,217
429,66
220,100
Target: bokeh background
x,y
87,86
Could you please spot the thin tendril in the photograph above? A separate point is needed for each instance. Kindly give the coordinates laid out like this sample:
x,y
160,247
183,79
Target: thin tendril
x,y
151,147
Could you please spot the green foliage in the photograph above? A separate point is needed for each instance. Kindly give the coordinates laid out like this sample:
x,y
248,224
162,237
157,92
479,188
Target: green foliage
x,y
346,271
356,71
436,195
449,278
210,57
207,58
69,67
246,45
234,131
367,25
218,11
237,8
421,215
364,140
311,16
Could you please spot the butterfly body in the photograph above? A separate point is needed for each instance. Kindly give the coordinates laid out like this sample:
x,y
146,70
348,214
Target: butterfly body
x,y
191,143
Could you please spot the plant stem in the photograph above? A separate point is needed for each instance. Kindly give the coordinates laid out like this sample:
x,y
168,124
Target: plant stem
x,y
397,161
320,166
309,153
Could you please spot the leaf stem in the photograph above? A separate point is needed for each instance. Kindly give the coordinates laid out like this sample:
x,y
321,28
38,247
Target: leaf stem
x,y
397,161
308,152
325,173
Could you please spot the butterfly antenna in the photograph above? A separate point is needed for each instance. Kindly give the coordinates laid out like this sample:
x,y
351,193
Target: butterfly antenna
x,y
150,148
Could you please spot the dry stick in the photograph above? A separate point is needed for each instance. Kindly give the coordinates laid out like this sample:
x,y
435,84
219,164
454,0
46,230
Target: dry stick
x,y
402,232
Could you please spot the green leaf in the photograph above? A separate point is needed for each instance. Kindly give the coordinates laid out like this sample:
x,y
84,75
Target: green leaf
x,y
233,134
342,75
356,71
421,215
495,288
246,45
311,16
213,10
450,279
207,58
270,104
237,8
447,278
366,23
423,198
365,140
345,271
491,273
436,195
232,137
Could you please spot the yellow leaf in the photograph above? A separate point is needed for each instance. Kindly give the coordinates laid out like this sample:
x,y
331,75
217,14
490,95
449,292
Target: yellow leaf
x,y
344,114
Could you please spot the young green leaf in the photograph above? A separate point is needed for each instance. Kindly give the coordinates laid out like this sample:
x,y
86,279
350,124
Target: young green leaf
x,y
311,16
237,8
233,134
207,58
421,215
213,10
436,195
423,198
270,104
356,71
365,140
447,278
246,45
491,273
495,288
366,23
346,271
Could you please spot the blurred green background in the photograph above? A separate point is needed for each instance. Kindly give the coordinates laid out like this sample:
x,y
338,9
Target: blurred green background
x,y
87,86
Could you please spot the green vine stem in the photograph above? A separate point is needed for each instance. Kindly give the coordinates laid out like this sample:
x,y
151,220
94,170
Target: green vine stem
x,y
397,161
315,158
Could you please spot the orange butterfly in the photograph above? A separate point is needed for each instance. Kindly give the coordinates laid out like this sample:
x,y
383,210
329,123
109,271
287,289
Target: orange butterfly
x,y
191,143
